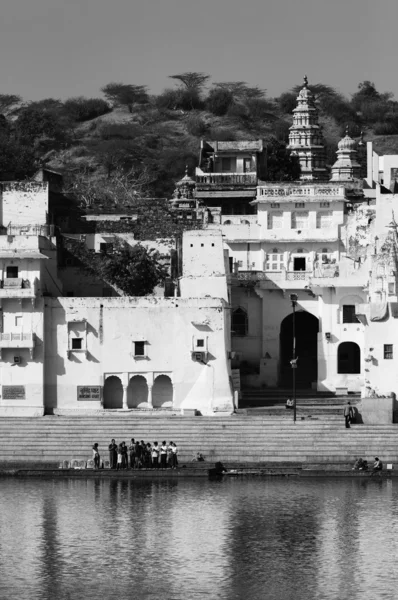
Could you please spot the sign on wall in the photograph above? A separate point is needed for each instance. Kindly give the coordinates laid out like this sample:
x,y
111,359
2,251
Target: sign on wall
x,y
13,392
89,392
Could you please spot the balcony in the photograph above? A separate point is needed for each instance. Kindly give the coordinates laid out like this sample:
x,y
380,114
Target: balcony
x,y
208,181
17,340
17,288
283,280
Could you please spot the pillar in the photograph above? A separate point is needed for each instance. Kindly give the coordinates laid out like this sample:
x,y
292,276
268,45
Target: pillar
x,y
125,388
150,405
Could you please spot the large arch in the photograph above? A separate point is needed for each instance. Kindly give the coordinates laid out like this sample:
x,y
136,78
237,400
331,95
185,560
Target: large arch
x,y
137,393
113,392
306,329
162,392
348,358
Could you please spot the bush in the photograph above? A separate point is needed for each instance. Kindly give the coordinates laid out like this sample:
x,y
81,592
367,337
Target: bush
x,y
196,126
218,101
287,102
179,99
260,109
120,131
84,109
386,128
222,134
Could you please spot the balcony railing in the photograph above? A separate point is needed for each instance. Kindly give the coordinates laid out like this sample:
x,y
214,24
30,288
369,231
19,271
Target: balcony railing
x,y
17,340
17,288
214,179
298,275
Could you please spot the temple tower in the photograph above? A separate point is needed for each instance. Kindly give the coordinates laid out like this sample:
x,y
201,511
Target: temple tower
x,y
305,137
346,167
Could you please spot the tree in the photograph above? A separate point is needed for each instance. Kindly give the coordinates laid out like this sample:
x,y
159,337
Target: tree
x,y
125,94
83,109
133,269
240,89
34,123
16,160
9,103
192,81
281,165
219,100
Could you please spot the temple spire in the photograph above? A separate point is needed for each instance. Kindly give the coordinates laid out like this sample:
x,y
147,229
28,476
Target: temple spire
x,y
346,167
305,137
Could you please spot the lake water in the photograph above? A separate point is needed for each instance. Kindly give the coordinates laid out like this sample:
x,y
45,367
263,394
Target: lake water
x,y
240,539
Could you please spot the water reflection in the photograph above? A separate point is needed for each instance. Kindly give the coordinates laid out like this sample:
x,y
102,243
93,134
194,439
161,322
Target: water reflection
x,y
253,539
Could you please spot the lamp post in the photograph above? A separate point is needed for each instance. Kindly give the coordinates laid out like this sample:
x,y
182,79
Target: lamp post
x,y
293,362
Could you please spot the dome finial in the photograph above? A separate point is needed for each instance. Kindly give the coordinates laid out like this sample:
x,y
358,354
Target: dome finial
x,y
305,80
347,130
186,170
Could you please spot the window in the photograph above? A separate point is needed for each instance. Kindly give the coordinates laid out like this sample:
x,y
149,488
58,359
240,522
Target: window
x,y
324,219
300,220
18,321
349,314
106,248
325,204
12,272
275,220
299,205
200,343
239,322
388,351
77,343
275,205
274,261
391,288
139,348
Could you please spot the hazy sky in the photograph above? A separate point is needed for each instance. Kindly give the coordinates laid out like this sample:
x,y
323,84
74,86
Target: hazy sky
x,y
64,48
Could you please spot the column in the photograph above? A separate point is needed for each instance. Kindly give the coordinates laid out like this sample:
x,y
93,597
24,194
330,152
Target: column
x,y
125,388
150,405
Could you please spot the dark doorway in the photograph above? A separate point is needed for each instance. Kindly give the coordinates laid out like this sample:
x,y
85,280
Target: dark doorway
x,y
307,327
299,264
349,358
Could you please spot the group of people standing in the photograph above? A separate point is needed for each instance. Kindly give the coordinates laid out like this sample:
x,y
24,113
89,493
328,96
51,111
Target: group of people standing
x,y
142,455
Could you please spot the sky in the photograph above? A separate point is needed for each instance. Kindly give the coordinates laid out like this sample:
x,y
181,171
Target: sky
x,y
68,48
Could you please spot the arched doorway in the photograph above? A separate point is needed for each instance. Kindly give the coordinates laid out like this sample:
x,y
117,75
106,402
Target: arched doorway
x,y
162,393
307,327
348,358
137,393
113,392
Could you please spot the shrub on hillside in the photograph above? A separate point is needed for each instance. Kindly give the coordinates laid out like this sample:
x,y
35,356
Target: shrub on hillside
x,y
123,131
196,126
179,99
218,101
222,134
83,109
386,128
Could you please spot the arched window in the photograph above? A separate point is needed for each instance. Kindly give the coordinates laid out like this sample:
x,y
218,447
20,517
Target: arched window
x,y
245,222
274,260
348,358
227,223
239,322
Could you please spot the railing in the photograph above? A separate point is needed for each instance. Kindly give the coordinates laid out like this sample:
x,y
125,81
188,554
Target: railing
x,y
16,337
226,179
251,276
298,275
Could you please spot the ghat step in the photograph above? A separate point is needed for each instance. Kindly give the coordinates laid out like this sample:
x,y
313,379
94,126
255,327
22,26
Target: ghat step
x,y
236,438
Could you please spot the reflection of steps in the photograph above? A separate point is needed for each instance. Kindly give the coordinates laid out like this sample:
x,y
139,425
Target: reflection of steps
x,y
270,438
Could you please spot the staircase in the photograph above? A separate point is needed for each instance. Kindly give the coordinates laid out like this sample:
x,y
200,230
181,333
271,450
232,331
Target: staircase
x,y
247,439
